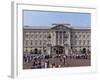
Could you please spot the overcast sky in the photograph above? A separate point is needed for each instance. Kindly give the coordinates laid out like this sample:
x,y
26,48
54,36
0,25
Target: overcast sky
x,y
47,18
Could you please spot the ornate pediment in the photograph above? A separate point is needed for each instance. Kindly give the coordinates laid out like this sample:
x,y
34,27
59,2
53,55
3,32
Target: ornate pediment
x,y
60,26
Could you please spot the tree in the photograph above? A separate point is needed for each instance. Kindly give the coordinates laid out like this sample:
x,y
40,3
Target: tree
x,y
35,50
84,50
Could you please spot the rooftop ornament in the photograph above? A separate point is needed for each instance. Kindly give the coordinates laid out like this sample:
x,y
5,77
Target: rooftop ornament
x,y
60,24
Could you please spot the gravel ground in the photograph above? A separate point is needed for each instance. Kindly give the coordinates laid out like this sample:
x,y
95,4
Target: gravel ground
x,y
68,63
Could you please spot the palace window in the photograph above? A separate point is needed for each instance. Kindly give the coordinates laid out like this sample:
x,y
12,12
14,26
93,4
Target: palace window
x,y
53,34
78,32
26,49
72,36
75,36
40,35
49,36
79,36
26,42
35,42
83,36
83,42
36,35
79,42
40,42
88,42
45,35
88,36
31,42
44,42
26,36
31,35
75,42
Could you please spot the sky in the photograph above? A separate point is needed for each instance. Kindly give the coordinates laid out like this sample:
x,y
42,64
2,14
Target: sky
x,y
47,18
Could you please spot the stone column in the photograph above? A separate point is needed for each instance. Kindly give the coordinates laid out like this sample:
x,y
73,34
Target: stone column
x,y
42,51
66,49
62,38
57,39
48,50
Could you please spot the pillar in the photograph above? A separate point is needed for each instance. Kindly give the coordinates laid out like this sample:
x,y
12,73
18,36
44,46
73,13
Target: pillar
x,y
62,38
66,49
48,50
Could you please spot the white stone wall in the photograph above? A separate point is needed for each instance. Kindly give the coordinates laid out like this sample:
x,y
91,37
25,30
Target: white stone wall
x,y
81,39
76,39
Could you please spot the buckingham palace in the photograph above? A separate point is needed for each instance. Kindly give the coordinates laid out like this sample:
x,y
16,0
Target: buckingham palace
x,y
58,39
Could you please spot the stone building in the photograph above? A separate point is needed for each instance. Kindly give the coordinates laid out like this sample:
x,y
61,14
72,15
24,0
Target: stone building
x,y
59,39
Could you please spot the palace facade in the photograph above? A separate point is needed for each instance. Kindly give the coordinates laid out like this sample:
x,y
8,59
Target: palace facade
x,y
59,39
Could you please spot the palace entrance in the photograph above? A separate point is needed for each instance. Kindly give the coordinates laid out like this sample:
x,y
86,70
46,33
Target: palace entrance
x,y
58,49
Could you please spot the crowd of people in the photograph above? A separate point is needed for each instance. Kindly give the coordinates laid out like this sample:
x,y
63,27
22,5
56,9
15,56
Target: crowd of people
x,y
51,61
